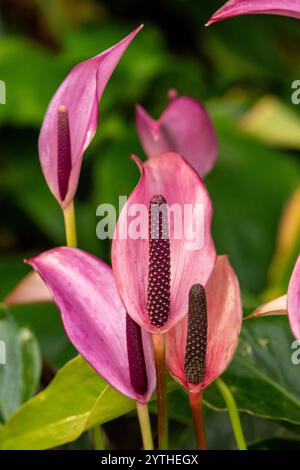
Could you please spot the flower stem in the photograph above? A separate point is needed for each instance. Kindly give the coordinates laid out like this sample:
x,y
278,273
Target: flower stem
x,y
195,400
98,438
145,425
70,225
233,414
159,345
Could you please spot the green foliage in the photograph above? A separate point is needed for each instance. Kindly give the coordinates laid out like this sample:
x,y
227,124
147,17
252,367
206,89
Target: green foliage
x,y
75,401
20,372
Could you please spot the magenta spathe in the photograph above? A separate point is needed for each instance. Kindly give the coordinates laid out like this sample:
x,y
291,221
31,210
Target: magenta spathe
x,y
247,7
184,128
71,120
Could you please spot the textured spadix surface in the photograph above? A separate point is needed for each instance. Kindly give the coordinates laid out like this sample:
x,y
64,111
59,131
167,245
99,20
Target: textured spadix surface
x,y
224,317
192,254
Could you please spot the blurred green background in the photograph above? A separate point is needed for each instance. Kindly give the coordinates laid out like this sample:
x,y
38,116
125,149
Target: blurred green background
x,y
242,69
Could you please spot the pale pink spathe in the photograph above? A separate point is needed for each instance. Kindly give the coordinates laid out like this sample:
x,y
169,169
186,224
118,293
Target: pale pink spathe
x,y
30,290
80,93
94,318
185,128
171,176
224,315
276,306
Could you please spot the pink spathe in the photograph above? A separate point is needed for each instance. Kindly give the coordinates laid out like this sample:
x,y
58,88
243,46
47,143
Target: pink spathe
x,y
172,177
93,315
247,7
224,316
293,300
79,94
185,128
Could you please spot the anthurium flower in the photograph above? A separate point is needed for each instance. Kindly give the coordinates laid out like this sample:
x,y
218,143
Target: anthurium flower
x,y
247,7
71,120
96,322
288,304
155,270
273,307
202,344
185,128
293,300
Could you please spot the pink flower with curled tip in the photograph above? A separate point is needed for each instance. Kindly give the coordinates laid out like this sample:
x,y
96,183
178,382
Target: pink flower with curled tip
x,y
201,346
185,128
293,300
288,304
154,273
247,7
96,322
71,120
273,307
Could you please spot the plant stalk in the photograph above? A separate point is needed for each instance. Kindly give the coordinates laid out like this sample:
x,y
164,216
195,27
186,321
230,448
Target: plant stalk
x,y
233,414
195,400
159,345
98,438
70,225
145,425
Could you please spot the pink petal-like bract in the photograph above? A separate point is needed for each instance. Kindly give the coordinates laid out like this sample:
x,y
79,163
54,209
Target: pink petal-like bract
x,y
185,128
31,289
94,318
247,7
224,316
192,251
273,307
294,300
78,95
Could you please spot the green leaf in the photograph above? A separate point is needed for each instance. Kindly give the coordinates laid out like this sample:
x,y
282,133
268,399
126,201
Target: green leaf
x,y
75,400
20,374
262,375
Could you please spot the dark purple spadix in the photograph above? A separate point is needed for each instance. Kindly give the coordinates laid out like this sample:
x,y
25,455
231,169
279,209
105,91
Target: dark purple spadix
x,y
136,358
196,342
159,278
64,159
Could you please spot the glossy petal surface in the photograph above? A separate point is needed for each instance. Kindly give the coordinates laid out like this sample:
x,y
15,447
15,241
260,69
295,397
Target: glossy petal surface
x,y
94,318
247,7
185,128
80,94
192,254
294,300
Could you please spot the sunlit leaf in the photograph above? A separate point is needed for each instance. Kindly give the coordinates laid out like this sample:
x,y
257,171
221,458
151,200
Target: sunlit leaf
x,y
76,400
